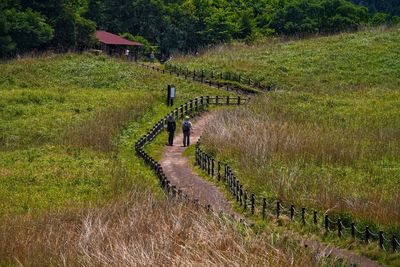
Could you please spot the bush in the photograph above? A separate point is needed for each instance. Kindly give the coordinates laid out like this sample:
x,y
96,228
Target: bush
x,y
27,29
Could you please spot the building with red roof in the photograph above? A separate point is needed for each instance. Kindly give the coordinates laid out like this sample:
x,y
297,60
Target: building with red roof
x,y
114,44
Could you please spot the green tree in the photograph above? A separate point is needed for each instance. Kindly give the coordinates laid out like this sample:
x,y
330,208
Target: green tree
x,y
147,46
220,26
85,30
65,31
28,29
95,12
6,43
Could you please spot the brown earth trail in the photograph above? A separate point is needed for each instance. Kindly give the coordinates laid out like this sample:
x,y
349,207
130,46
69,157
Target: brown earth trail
x,y
179,170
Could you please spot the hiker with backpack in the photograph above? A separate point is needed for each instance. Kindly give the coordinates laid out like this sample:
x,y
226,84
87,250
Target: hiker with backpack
x,y
171,126
186,127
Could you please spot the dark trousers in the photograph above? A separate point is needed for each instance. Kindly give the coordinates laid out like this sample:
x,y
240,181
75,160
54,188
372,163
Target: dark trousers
x,y
170,138
186,138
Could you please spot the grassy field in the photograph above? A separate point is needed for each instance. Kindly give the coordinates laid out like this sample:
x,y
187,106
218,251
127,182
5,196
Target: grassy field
x,y
72,192
368,59
61,119
329,136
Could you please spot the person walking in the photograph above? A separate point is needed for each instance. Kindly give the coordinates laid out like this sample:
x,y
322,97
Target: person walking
x,y
186,128
127,54
171,126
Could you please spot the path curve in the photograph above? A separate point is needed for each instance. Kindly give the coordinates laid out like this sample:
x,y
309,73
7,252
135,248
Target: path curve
x,y
179,170
180,173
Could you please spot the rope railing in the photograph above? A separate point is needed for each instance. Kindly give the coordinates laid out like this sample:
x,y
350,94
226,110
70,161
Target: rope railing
x,y
276,209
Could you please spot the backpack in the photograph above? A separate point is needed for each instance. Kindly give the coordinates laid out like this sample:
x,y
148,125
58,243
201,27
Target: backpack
x,y
186,126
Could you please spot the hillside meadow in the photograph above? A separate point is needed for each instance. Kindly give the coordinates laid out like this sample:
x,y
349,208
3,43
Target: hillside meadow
x,y
73,193
328,136
365,59
67,123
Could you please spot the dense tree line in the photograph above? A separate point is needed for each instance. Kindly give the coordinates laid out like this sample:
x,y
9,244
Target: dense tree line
x,y
27,25
184,25
391,7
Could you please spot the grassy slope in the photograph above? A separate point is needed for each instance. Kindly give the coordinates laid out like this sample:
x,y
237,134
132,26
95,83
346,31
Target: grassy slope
x,y
68,125
368,59
329,137
59,118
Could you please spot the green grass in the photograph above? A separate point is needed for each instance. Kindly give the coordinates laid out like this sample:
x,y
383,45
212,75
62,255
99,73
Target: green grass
x,y
328,137
367,59
67,128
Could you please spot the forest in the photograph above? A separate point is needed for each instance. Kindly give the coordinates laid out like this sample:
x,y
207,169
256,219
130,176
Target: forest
x,y
178,25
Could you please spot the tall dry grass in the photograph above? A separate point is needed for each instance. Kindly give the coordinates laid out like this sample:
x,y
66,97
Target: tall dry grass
x,y
142,231
307,163
99,131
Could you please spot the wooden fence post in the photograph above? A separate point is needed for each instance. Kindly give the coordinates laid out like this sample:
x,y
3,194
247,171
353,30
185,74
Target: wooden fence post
x,y
253,200
315,217
264,207
245,200
367,234
326,223
241,195
219,171
291,212
197,156
208,165
381,239
353,230
237,191
278,209
212,167
394,243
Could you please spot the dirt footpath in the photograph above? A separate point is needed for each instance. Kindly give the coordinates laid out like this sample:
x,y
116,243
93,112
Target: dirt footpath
x,y
179,171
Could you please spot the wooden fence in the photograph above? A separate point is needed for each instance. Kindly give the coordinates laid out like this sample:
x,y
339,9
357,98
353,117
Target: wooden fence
x,y
211,75
261,207
196,76
249,201
192,107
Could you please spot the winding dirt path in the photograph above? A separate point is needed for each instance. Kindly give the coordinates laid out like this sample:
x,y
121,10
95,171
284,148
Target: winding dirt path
x,y
179,170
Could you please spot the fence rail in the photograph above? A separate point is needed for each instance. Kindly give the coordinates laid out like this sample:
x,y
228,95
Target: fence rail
x,y
197,76
258,206
211,75
192,107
